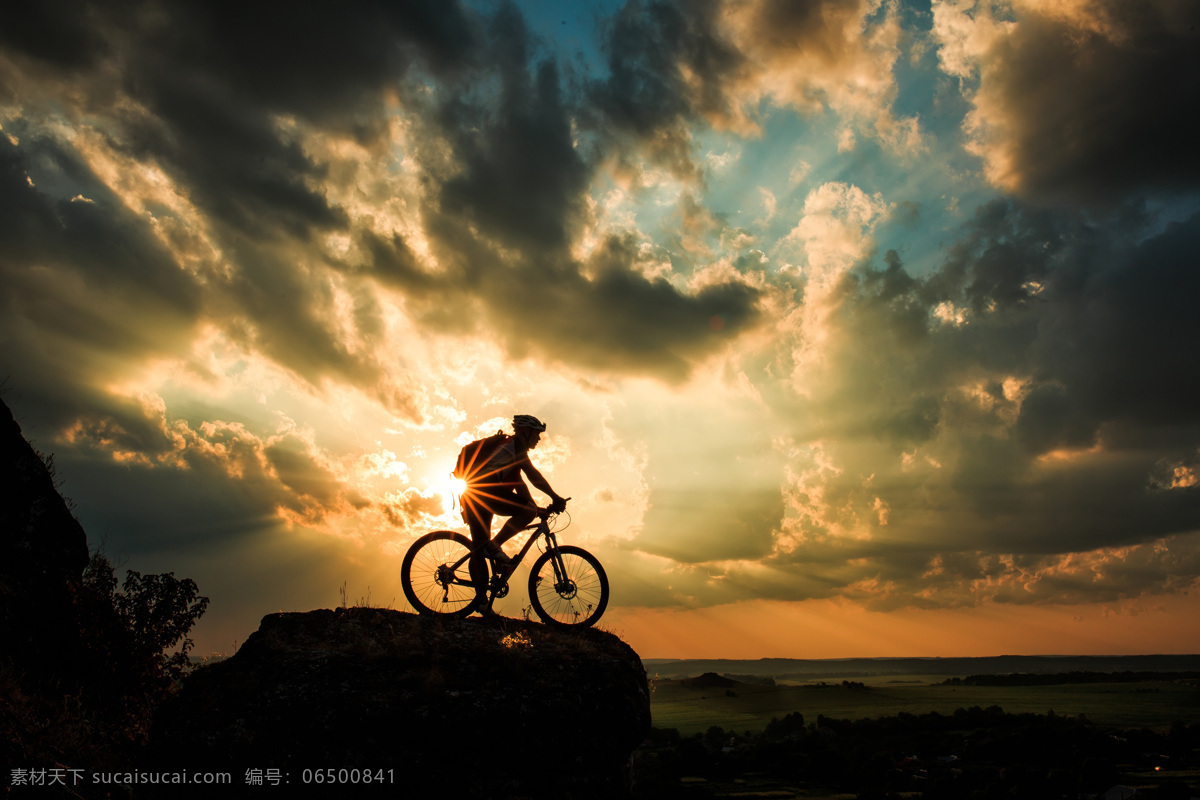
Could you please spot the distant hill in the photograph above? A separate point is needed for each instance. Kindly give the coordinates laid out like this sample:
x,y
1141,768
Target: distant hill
x,y
840,668
709,680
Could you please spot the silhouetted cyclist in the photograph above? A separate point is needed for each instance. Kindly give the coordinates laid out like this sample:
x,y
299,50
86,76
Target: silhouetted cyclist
x,y
495,487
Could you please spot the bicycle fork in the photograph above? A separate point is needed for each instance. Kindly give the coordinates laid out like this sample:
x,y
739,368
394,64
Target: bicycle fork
x,y
563,585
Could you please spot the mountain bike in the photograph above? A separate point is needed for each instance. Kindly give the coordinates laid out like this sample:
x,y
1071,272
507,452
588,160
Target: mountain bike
x,y
567,585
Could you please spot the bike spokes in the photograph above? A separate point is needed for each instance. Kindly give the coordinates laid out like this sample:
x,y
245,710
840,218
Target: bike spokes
x,y
568,587
435,575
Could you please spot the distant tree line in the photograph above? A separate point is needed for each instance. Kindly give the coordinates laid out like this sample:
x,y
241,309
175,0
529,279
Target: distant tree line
x,y
972,754
856,686
1032,679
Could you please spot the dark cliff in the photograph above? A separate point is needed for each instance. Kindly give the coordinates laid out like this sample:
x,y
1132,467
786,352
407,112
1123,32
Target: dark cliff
x,y
470,707
43,551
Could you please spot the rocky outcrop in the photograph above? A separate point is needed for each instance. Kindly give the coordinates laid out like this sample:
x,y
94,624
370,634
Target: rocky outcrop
x,y
43,551
463,707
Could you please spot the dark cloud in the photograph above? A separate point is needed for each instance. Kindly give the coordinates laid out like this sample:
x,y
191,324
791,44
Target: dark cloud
x,y
393,263
914,422
148,511
818,28
84,283
1048,421
64,35
1136,353
285,308
213,80
1097,316
602,314
619,320
91,234
522,181
235,163
321,61
324,60
1088,110
667,65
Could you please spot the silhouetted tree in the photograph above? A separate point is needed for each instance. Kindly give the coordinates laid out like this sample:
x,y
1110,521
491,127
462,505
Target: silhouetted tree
x,y
791,725
130,635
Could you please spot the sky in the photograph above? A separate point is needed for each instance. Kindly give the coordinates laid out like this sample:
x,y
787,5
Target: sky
x,y
861,327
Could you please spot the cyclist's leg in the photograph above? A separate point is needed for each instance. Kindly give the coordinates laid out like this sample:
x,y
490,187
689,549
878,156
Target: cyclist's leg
x,y
515,524
520,510
479,520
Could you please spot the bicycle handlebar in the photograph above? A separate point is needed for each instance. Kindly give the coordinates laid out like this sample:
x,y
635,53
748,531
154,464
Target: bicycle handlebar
x,y
546,512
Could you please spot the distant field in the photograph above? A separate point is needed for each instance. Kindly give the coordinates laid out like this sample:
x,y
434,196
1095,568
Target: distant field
x,y
878,669
1151,704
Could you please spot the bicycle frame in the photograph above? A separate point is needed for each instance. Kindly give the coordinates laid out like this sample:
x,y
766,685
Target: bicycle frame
x,y
541,528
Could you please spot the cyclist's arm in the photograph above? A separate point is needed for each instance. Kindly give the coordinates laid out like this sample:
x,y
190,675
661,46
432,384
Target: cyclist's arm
x,y
539,481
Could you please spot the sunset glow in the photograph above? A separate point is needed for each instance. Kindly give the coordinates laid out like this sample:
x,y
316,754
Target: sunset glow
x,y
862,328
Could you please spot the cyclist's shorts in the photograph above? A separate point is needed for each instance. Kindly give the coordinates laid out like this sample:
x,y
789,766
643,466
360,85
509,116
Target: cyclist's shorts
x,y
501,501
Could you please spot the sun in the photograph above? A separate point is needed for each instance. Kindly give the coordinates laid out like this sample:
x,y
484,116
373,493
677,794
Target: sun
x,y
451,488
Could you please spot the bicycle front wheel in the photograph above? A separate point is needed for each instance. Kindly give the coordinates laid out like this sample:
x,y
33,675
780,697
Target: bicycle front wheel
x,y
435,575
568,587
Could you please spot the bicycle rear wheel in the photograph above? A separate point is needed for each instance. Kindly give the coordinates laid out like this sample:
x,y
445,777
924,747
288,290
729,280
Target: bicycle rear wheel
x,y
568,587
435,575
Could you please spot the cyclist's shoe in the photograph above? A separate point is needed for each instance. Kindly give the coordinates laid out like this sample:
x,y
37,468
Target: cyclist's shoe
x,y
487,612
502,564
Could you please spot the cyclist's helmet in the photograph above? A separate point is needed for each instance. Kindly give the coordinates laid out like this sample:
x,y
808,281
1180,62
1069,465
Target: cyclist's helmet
x,y
527,421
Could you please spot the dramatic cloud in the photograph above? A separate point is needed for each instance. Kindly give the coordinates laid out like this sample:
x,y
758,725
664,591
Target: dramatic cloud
x,y
1078,101
1047,417
667,65
671,64
838,56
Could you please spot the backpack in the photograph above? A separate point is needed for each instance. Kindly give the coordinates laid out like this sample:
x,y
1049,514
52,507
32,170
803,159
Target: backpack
x,y
475,454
